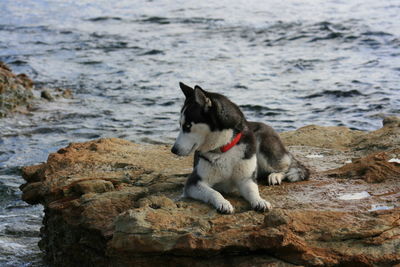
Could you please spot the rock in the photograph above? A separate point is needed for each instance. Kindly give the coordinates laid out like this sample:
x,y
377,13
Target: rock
x,y
391,120
56,93
276,218
372,168
46,95
59,92
342,138
110,202
25,80
15,90
332,137
5,67
93,186
382,139
67,93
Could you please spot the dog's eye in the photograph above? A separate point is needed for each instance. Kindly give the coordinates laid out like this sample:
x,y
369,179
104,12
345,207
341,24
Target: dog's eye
x,y
187,126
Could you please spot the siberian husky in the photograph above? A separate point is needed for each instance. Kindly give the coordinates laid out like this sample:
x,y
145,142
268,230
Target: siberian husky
x,y
230,152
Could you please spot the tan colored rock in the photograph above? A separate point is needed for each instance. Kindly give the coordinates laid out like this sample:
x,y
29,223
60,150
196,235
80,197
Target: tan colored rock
x,y
333,137
342,138
110,202
382,139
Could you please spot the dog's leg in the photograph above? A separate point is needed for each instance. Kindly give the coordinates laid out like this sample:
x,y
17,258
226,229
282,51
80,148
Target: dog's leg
x,y
202,191
297,171
286,168
249,190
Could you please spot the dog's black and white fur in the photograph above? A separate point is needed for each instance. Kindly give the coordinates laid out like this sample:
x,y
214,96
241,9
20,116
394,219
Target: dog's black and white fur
x,y
208,122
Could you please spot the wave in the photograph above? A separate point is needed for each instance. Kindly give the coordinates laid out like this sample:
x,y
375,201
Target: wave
x,y
105,18
171,20
258,110
335,93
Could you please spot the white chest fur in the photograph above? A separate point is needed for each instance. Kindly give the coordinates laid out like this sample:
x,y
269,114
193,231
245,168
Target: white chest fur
x,y
226,168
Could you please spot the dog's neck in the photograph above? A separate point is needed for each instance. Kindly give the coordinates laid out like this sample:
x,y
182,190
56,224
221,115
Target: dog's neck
x,y
231,144
216,140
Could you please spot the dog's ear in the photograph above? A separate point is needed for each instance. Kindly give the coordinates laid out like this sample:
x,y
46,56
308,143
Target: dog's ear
x,y
201,98
187,90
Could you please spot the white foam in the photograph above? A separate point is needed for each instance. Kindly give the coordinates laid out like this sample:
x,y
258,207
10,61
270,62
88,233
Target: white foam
x,y
314,156
394,160
375,207
354,196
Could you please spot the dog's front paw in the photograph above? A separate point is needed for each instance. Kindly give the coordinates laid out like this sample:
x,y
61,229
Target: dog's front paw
x,y
225,207
275,178
261,205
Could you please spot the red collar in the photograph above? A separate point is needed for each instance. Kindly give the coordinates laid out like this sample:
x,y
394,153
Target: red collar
x,y
228,146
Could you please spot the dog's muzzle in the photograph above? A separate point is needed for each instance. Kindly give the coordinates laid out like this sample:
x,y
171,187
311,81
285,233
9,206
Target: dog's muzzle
x,y
182,152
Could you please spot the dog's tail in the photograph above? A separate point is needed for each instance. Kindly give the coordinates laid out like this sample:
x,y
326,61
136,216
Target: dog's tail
x,y
297,171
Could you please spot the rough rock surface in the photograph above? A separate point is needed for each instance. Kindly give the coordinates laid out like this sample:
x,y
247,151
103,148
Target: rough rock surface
x,y
110,202
373,168
15,90
344,139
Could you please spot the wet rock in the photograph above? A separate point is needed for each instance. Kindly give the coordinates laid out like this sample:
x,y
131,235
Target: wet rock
x,y
52,94
62,93
110,202
46,95
25,80
5,67
15,90
67,93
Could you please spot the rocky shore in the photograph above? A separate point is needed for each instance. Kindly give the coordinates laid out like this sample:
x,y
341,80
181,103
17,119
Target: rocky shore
x,y
15,90
110,202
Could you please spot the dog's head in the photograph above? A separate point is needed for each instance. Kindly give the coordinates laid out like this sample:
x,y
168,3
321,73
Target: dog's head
x,y
208,120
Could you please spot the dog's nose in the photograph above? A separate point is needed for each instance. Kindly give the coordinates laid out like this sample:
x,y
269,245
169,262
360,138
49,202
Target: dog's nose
x,y
174,150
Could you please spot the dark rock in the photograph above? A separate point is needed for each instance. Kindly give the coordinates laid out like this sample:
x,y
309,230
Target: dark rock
x,y
46,95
